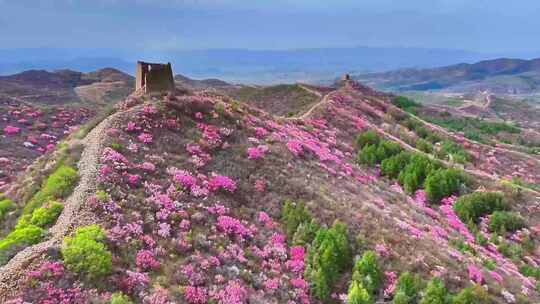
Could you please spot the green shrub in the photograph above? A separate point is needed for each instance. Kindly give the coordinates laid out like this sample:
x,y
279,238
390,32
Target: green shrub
x,y
443,183
86,254
455,151
392,166
530,271
407,288
511,250
505,221
329,255
422,132
368,155
435,293
293,215
471,295
120,298
358,294
386,149
305,233
412,177
18,239
367,272
401,298
369,137
58,185
6,205
406,104
424,146
472,206
116,146
46,216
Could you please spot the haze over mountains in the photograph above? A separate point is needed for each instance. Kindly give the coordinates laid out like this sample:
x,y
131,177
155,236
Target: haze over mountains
x,y
502,76
243,65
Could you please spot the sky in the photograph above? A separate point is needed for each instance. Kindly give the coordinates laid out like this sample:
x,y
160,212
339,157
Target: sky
x,y
479,25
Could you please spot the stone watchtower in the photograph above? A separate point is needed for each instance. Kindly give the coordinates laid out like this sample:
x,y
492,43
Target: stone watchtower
x,y
154,77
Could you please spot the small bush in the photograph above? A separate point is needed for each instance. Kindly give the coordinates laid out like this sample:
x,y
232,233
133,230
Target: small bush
x,y
6,205
293,215
369,137
392,166
86,254
120,298
443,183
455,151
367,272
412,177
18,239
358,294
368,155
305,233
424,146
387,149
504,221
407,289
511,250
472,206
58,185
435,293
406,104
471,295
329,255
46,216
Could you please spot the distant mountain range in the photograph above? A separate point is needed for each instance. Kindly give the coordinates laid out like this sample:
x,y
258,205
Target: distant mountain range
x,y
66,86
502,76
241,65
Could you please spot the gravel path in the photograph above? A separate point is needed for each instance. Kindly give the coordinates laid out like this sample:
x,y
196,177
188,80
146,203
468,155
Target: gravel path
x,y
74,214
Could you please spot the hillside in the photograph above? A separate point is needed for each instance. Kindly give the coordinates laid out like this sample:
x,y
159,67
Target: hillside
x,y
38,109
499,76
202,199
66,86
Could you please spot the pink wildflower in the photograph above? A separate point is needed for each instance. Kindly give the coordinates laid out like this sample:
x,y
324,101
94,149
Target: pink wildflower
x,y
475,274
231,225
221,182
147,166
295,146
146,260
260,185
261,132
196,295
133,179
11,130
257,152
271,284
145,138
391,283
185,178
233,293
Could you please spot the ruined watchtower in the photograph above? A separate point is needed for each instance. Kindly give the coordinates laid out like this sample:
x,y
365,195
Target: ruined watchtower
x,y
154,77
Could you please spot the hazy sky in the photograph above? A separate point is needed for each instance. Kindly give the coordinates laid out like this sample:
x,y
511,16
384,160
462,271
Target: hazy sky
x,y
481,25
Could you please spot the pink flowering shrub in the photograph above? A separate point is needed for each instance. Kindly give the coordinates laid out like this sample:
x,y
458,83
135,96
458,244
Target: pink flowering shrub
x,y
11,130
196,295
475,274
232,226
145,138
295,146
146,260
218,182
233,293
257,152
